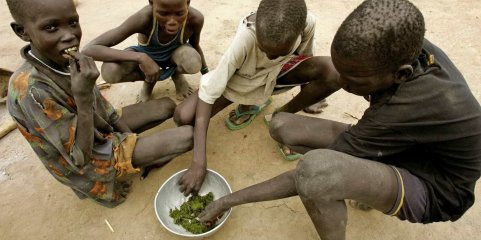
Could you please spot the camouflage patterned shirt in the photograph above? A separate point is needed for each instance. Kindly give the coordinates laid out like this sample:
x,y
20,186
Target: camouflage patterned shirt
x,y
42,104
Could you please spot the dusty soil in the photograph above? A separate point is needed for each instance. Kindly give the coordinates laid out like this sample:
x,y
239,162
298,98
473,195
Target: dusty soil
x,y
33,205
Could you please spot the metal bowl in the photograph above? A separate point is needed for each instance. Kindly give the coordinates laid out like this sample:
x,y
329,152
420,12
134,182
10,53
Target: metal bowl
x,y
168,197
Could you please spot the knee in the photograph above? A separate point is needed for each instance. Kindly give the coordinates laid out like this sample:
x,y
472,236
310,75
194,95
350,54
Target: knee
x,y
318,175
188,61
279,128
110,73
166,105
182,116
186,137
190,66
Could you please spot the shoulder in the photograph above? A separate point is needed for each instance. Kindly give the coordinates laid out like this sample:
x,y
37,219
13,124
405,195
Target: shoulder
x,y
195,18
20,81
141,21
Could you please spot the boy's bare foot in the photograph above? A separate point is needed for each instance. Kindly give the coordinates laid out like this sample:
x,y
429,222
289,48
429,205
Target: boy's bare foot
x,y
182,87
146,92
212,212
286,150
316,107
238,120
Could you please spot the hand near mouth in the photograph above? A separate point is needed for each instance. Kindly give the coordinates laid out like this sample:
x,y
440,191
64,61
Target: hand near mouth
x,y
69,53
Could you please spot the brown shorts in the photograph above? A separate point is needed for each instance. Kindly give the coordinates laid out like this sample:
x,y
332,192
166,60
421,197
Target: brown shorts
x,y
123,156
411,199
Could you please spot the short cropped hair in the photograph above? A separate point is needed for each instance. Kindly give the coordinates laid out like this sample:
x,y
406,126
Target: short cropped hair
x,y
390,32
280,21
17,8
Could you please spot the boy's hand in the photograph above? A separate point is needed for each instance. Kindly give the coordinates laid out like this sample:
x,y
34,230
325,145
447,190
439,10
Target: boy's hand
x,y
192,180
150,69
84,73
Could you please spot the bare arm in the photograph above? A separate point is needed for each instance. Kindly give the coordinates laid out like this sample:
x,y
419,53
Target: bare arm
x,y
194,40
194,177
100,48
83,80
324,85
282,186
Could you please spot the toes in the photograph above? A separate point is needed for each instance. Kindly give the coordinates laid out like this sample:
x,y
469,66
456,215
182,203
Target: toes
x,y
242,119
286,150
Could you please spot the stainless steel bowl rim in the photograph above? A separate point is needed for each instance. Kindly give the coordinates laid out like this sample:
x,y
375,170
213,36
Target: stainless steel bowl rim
x,y
190,235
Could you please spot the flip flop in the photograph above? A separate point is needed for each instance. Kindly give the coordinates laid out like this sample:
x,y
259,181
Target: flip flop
x,y
255,110
267,119
288,157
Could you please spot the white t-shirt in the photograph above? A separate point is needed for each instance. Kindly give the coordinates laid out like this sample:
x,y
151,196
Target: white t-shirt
x,y
244,74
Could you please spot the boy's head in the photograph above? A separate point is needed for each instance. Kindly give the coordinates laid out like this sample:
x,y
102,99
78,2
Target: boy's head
x,y
51,27
170,14
376,44
278,25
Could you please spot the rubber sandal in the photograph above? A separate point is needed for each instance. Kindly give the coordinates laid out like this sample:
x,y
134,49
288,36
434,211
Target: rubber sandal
x,y
267,119
253,113
288,157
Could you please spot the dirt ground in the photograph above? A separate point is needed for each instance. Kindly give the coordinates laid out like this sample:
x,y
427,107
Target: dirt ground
x,y
33,205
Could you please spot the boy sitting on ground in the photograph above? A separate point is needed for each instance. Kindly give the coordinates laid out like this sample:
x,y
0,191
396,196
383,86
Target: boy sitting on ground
x,y
416,151
79,137
272,49
168,34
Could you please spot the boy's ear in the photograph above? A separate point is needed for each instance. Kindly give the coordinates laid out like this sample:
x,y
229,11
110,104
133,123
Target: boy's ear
x,y
403,73
20,31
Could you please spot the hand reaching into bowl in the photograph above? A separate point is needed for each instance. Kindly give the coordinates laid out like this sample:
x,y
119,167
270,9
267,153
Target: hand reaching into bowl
x,y
213,212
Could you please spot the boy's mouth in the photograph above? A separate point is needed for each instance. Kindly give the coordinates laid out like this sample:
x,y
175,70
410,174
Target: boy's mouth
x,y
69,53
171,30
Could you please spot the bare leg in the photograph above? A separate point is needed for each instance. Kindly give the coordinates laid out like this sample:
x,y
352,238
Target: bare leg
x,y
321,77
316,107
158,148
188,61
325,178
118,72
146,92
142,116
302,133
161,147
185,111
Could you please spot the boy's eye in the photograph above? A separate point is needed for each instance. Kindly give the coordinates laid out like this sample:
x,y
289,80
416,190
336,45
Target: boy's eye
x,y
73,23
180,14
50,28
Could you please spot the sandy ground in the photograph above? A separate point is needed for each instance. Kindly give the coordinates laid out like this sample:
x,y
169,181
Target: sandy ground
x,y
33,205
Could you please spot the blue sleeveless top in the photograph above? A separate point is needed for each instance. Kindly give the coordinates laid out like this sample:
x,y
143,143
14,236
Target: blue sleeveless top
x,y
161,53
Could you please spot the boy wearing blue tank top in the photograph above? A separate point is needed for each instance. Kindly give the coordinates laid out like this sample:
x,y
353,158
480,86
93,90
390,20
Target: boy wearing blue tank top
x,y
168,34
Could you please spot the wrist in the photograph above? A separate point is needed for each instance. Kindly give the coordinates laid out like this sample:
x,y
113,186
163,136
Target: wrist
x,y
83,98
140,57
199,164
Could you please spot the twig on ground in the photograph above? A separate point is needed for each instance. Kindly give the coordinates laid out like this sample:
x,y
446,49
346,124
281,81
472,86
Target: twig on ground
x,y
350,115
110,226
